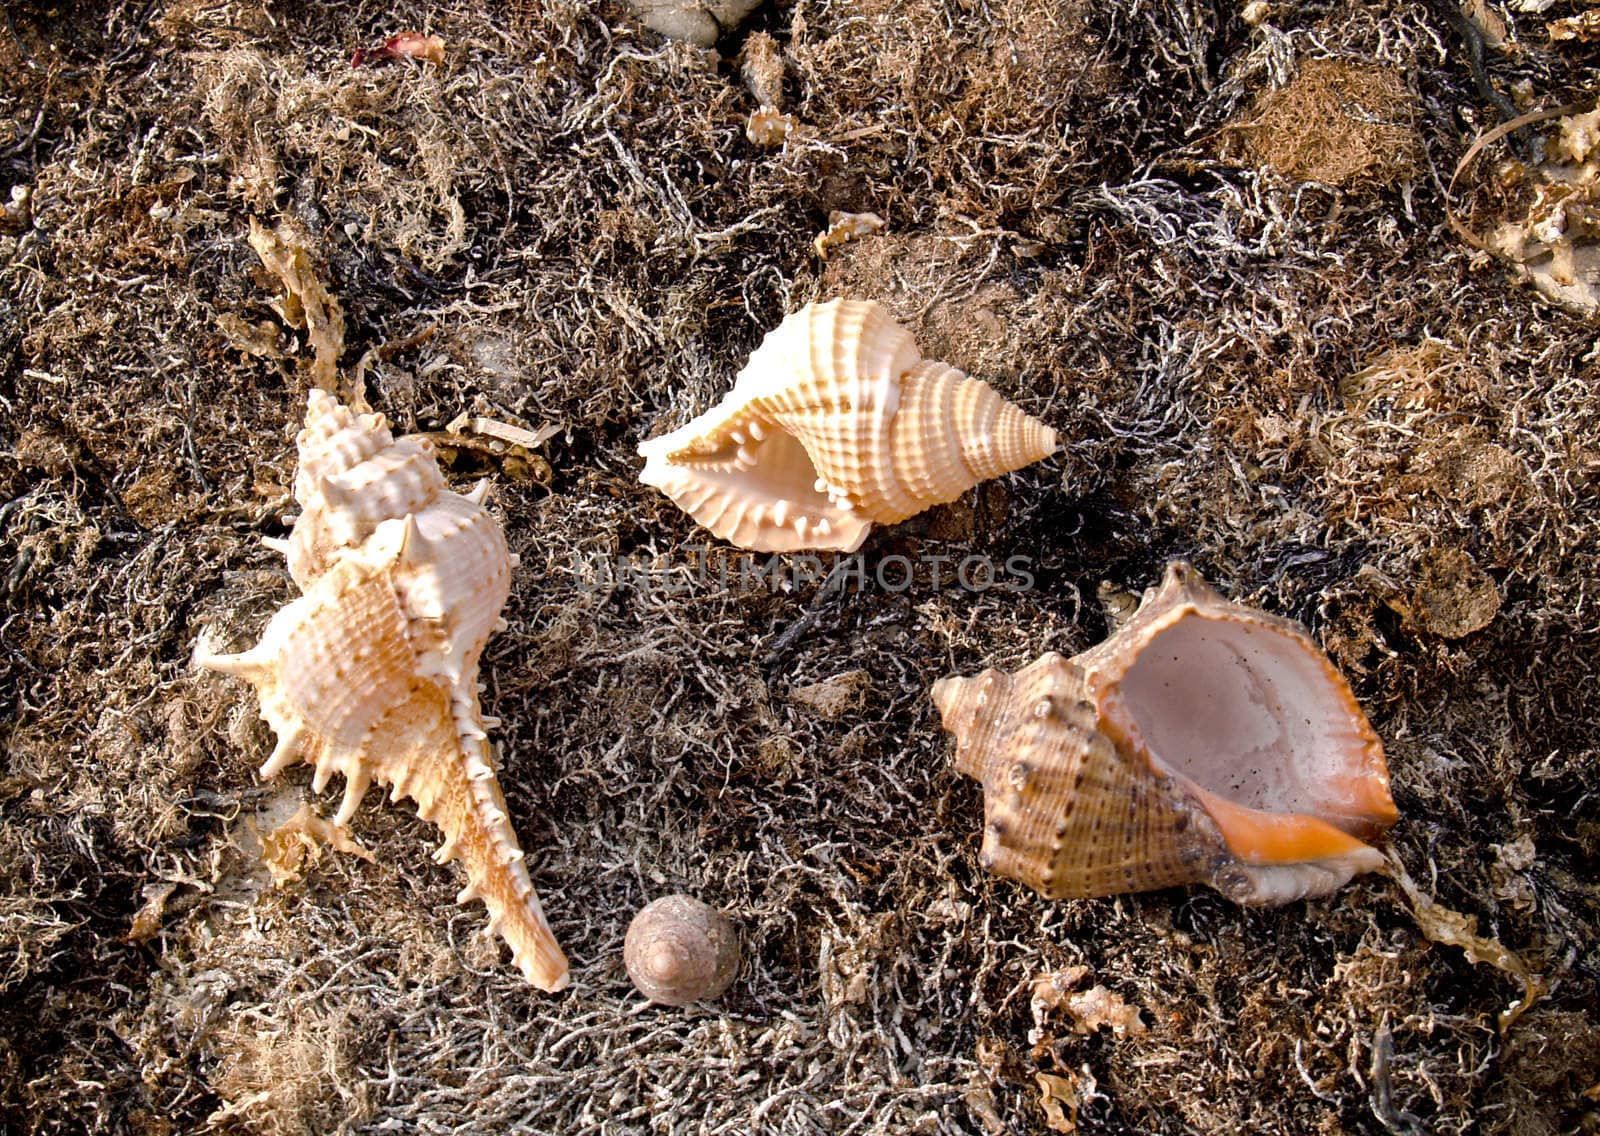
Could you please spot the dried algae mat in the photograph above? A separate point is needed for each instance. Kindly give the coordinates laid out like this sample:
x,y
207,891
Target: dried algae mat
x,y
1214,254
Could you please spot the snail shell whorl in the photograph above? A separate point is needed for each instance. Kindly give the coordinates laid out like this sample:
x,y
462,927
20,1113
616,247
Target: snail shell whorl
x,y
834,424
353,475
1204,742
679,950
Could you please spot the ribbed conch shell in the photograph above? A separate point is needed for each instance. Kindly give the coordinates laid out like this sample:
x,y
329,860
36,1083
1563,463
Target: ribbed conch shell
x,y
372,672
837,423
1204,742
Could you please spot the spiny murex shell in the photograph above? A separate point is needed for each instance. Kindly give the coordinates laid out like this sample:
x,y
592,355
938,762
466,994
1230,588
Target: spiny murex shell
x,y
835,423
372,672
1204,742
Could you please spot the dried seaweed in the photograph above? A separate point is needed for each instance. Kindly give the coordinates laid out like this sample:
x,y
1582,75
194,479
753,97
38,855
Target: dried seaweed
x,y
1312,388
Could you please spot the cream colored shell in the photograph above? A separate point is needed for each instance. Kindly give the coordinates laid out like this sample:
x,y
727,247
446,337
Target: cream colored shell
x,y
372,672
834,424
1204,742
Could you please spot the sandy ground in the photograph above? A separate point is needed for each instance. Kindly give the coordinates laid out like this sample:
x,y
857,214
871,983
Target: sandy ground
x,y
1214,254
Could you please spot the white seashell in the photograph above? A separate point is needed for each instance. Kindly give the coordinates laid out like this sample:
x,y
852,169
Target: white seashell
x,y
1204,742
839,417
372,672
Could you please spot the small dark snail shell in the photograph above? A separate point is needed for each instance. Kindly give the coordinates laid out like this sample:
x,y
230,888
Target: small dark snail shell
x,y
679,950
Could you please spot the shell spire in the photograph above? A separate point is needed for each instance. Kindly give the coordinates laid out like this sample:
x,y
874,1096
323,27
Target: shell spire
x,y
1204,742
372,672
835,424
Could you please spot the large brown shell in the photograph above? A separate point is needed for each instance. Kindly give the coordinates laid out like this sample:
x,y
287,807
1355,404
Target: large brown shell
x,y
837,423
1204,742
372,672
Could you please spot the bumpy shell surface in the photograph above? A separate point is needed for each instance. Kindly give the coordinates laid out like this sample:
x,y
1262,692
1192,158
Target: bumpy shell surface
x,y
679,950
1204,742
837,423
372,672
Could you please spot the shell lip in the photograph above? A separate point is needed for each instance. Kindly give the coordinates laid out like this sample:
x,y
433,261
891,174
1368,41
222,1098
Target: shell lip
x,y
944,692
1355,806
1256,836
752,482
698,439
1264,835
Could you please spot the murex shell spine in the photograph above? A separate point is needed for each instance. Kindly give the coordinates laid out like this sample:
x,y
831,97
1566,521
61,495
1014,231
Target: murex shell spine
x,y
372,671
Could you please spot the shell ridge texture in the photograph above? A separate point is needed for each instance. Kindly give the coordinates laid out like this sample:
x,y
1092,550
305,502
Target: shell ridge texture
x,y
875,434
371,672
1204,742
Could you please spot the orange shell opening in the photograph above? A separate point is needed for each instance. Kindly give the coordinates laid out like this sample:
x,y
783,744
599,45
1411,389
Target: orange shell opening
x,y
1258,837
